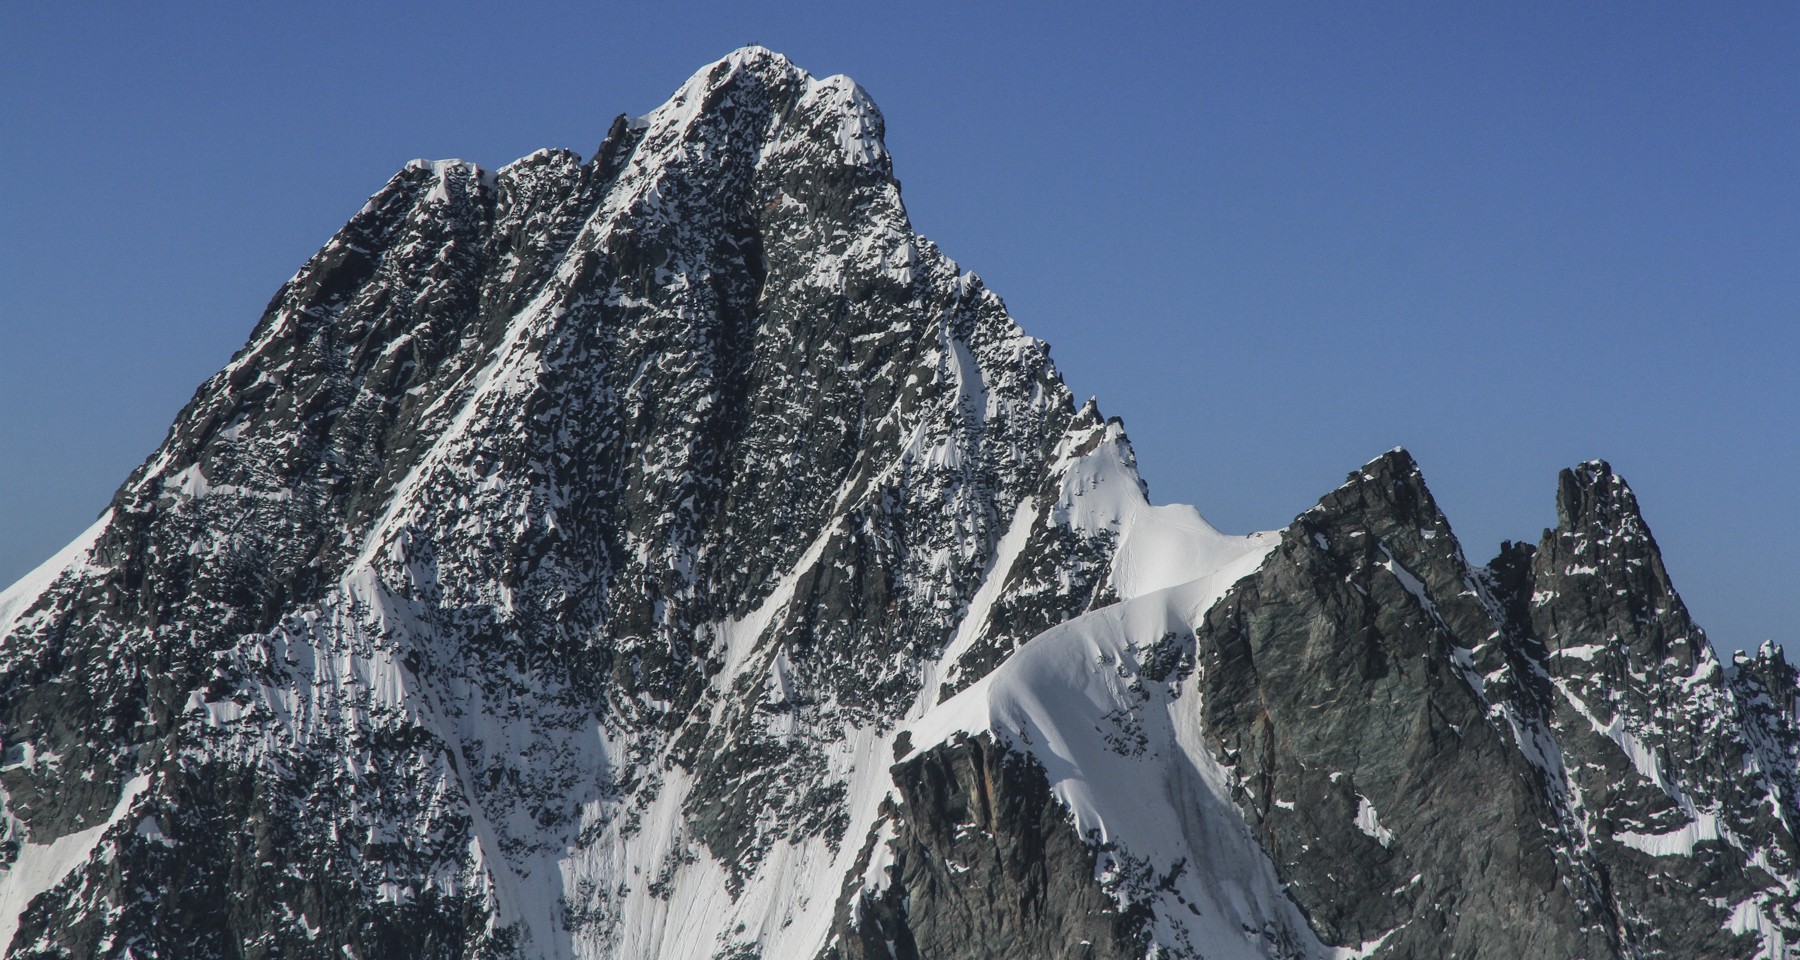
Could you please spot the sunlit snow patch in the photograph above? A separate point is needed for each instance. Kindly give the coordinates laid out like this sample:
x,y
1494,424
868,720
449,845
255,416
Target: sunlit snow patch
x,y
1126,754
18,598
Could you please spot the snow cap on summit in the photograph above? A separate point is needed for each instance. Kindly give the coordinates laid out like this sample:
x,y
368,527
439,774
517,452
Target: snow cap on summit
x,y
859,127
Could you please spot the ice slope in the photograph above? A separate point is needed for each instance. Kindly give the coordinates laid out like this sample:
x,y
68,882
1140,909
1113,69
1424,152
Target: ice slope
x,y
1124,750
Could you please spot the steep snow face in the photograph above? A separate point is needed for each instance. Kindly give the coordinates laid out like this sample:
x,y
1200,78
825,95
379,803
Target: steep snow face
x,y
71,561
1100,703
37,867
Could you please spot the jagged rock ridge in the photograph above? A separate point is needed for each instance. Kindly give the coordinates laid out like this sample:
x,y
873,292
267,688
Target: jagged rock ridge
x,y
636,557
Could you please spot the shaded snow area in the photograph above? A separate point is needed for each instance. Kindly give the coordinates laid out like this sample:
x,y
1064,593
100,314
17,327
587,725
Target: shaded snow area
x,y
41,866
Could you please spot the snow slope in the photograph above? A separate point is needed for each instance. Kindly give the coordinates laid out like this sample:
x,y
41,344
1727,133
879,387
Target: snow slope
x,y
1125,752
16,599
41,866
1058,683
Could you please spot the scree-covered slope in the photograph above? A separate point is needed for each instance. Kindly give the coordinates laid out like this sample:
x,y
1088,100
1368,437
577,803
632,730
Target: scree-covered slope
x,y
673,555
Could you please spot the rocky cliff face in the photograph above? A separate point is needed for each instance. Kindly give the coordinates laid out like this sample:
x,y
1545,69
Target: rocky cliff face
x,y
637,557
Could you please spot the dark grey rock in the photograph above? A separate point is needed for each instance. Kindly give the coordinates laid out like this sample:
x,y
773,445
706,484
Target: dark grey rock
x,y
986,864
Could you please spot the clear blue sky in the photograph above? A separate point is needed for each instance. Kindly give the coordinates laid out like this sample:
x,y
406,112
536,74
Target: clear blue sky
x,y
1277,238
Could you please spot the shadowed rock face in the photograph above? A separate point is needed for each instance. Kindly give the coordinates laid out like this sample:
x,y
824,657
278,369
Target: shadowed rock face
x,y
1540,738
1335,685
987,865
560,568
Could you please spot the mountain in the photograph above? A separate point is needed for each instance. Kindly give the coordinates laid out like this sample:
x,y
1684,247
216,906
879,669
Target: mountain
x,y
672,554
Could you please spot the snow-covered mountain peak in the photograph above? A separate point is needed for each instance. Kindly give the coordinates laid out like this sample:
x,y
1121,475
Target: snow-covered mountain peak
x,y
673,555
1102,494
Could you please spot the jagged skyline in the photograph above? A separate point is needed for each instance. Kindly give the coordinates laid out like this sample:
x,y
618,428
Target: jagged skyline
x,y
675,555
1584,219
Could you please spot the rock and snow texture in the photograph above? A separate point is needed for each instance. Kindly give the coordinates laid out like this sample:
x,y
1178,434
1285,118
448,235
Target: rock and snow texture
x,y
1097,704
1394,735
673,555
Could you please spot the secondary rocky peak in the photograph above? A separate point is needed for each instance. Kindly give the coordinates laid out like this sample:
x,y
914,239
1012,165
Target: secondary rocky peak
x,y
1392,479
1601,533
1601,568
1591,496
1768,674
1386,507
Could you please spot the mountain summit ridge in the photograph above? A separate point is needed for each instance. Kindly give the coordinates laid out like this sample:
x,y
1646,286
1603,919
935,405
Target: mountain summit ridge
x,y
672,554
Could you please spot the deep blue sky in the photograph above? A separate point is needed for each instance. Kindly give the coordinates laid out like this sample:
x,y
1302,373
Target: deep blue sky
x,y
1276,238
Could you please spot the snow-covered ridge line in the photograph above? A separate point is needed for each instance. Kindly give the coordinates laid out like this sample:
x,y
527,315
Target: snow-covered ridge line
x,y
15,600
1076,699
1158,546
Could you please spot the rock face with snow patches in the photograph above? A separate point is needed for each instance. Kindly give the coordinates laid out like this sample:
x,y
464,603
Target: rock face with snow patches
x,y
673,555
